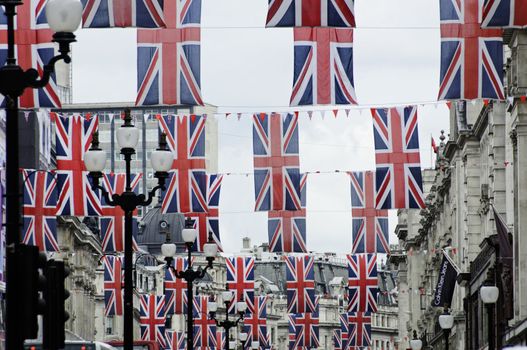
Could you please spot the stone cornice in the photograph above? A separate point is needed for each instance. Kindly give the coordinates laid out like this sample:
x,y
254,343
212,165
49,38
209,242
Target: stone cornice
x,y
82,234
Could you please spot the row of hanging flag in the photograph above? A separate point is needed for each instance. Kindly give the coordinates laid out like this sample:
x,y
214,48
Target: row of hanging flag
x,y
280,187
302,303
169,51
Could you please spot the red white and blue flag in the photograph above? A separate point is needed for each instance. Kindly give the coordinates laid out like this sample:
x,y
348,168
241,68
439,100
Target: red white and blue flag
x,y
359,329
240,280
122,13
370,225
308,13
471,57
337,339
209,222
152,318
73,140
204,328
362,283
168,59
291,318
344,330
40,210
33,49
398,181
219,340
323,67
276,162
187,185
307,335
255,324
504,14
112,219
175,340
287,229
300,284
176,288
113,285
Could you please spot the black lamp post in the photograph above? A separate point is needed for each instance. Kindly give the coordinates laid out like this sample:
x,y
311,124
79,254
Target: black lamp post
x,y
190,275
489,296
63,17
95,160
446,322
227,324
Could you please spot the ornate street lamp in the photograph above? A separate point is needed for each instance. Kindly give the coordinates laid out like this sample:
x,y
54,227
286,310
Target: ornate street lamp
x,y
168,250
489,296
227,324
446,322
64,17
415,343
95,160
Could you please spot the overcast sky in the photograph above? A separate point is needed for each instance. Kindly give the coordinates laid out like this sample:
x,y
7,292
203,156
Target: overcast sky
x,y
247,68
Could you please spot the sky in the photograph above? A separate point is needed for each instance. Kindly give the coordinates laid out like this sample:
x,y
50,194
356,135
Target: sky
x,y
247,68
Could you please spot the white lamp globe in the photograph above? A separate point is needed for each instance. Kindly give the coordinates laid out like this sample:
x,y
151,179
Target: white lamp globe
x,y
212,306
241,306
168,250
189,235
210,249
243,336
416,344
226,296
232,344
95,160
255,345
489,294
127,136
64,15
161,160
446,321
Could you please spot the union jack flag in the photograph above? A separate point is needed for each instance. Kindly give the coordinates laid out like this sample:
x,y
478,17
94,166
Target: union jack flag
x,y
255,324
337,339
291,318
209,221
168,60
122,13
323,67
370,226
504,14
219,341
398,181
471,57
176,288
319,13
204,329
362,283
307,330
240,279
152,318
287,229
73,139
113,285
300,283
359,329
175,340
112,221
276,162
187,186
33,49
40,210
344,331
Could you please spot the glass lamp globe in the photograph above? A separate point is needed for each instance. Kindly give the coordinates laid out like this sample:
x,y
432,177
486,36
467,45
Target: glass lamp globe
x,y
127,136
243,336
446,321
212,306
64,15
489,294
210,249
241,306
232,344
189,235
255,345
168,250
226,296
95,160
416,344
161,160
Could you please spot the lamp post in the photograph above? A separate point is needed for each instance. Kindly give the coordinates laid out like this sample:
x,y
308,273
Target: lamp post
x,y
168,250
446,322
95,160
415,343
489,296
227,324
64,17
